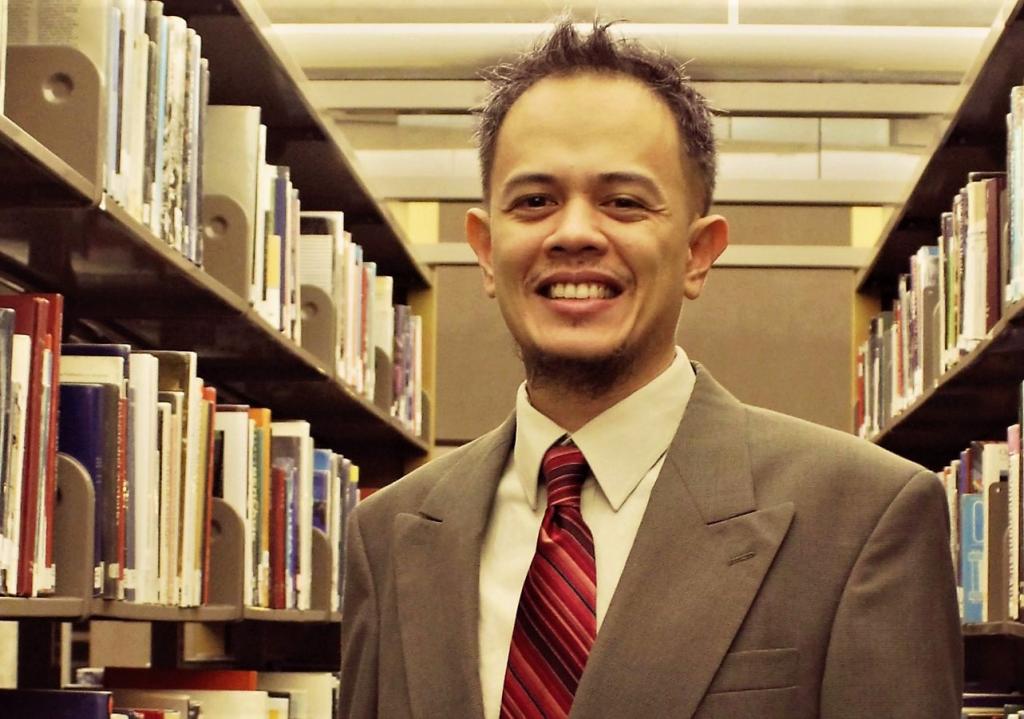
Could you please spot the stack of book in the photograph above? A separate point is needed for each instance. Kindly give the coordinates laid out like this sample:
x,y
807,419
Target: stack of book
x,y
251,217
30,367
368,322
153,91
947,302
158,448
984,492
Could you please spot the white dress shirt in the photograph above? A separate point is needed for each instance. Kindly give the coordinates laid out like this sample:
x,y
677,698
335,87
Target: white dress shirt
x,y
625,448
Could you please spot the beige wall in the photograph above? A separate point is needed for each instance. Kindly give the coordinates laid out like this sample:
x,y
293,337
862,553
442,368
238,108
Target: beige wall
x,y
776,337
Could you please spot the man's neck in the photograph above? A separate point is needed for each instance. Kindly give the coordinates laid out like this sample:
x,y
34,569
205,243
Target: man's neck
x,y
561,401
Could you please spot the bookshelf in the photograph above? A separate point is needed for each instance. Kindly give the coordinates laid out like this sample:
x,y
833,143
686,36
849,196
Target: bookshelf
x,y
975,398
60,233
978,397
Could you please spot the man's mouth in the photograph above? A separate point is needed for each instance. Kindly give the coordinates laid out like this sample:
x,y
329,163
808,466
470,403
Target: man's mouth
x,y
579,291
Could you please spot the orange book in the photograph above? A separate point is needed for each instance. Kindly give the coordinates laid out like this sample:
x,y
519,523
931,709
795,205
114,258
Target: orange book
x,y
141,678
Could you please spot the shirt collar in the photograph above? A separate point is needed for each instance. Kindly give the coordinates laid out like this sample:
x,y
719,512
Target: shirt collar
x,y
644,422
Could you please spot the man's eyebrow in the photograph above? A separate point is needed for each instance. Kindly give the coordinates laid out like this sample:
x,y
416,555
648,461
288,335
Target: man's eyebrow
x,y
527,178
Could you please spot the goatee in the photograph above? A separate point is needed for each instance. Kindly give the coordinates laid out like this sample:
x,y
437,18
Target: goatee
x,y
593,376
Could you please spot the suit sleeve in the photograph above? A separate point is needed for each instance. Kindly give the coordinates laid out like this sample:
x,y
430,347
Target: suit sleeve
x,y
895,646
359,631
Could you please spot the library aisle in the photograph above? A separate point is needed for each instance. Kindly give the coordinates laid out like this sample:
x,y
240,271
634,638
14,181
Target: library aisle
x,y
236,299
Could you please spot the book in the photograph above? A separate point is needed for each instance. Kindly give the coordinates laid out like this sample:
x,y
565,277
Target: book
x,y
108,365
972,541
56,703
32,319
179,679
88,432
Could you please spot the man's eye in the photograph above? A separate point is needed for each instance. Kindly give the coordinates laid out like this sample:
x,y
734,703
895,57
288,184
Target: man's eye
x,y
533,202
626,203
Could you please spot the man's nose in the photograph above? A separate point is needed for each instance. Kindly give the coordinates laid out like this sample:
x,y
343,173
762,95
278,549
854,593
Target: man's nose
x,y
578,229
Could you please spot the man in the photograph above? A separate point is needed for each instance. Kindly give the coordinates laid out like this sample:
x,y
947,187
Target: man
x,y
634,541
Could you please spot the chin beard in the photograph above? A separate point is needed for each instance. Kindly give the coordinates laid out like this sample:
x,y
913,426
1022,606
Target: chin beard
x,y
593,376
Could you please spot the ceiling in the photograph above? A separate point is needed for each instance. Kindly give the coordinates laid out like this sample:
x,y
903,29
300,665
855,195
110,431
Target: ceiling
x,y
827,102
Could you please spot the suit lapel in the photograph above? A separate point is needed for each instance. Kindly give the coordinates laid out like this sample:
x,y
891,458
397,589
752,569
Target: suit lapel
x,y
437,568
698,560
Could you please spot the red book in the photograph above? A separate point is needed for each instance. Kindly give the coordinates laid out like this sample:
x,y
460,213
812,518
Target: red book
x,y
56,333
210,407
278,527
144,678
32,319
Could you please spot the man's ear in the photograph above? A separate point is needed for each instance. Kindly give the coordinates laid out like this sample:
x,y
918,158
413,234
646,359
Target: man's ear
x,y
709,236
478,234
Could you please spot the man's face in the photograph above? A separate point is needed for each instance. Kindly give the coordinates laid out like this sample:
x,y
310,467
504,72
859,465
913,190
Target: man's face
x,y
587,242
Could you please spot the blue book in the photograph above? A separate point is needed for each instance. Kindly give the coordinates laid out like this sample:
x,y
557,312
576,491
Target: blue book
x,y
972,541
56,703
124,351
321,488
86,430
291,532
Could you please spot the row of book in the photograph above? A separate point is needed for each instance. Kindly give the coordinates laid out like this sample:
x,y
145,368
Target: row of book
x,y
263,247
198,177
154,89
113,693
983,492
369,325
948,301
158,447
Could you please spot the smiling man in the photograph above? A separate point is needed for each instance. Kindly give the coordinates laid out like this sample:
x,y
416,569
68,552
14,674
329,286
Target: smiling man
x,y
633,541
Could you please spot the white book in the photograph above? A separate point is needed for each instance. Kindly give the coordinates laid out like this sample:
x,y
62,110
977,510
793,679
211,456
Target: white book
x,y
975,267
335,530
259,251
21,364
85,369
171,495
143,383
191,570
167,533
384,316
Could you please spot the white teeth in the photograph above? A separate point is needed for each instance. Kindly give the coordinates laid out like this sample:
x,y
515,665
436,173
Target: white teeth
x,y
581,291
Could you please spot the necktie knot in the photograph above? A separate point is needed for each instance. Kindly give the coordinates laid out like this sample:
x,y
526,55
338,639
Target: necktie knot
x,y
564,468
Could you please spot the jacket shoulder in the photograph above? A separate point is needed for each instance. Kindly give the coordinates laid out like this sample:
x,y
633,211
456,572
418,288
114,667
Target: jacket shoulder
x,y
828,455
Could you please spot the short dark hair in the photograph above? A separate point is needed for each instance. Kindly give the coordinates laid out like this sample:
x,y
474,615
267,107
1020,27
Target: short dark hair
x,y
566,52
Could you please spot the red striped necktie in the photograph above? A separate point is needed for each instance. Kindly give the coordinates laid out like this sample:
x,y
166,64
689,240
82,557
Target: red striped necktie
x,y
556,621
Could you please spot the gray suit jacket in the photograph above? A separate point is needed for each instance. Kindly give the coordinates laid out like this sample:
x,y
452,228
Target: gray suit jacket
x,y
782,570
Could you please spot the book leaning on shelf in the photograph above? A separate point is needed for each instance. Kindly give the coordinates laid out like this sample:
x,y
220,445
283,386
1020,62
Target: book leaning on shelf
x,y
946,303
134,123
